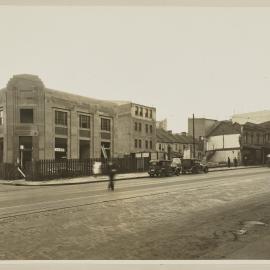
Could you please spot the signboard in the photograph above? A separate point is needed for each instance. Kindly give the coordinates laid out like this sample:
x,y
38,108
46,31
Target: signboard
x,y
60,150
138,155
145,154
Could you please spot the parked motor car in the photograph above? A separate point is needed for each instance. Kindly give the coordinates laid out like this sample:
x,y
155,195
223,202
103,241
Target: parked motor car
x,y
193,166
163,168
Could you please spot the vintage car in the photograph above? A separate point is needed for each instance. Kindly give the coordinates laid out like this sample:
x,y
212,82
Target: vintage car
x,y
163,168
193,166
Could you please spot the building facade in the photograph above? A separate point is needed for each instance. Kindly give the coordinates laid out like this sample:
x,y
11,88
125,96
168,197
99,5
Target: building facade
x,y
252,117
38,123
201,126
248,143
176,145
136,129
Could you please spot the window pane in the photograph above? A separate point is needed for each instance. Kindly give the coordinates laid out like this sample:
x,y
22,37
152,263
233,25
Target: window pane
x,y
84,121
105,124
1,118
61,118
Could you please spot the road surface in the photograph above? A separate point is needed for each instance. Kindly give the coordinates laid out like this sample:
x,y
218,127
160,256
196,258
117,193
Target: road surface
x,y
222,215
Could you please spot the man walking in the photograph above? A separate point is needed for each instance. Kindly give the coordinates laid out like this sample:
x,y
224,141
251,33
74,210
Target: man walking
x,y
229,162
111,174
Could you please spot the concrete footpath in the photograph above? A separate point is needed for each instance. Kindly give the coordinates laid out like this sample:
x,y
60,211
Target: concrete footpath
x,y
101,178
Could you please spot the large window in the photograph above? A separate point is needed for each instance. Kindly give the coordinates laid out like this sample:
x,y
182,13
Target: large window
x,y
1,117
26,116
151,128
135,143
84,121
141,111
146,112
61,118
105,124
146,144
136,110
146,128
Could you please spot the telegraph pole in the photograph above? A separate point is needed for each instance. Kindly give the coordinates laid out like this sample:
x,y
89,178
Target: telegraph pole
x,y
193,135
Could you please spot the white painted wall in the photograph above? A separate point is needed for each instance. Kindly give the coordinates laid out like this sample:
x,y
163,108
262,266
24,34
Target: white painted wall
x,y
222,156
216,142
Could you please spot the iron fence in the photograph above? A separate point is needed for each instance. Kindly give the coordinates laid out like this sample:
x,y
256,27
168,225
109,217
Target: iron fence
x,y
8,171
69,168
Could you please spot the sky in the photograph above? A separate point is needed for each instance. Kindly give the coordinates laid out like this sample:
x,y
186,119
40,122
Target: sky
x,y
210,61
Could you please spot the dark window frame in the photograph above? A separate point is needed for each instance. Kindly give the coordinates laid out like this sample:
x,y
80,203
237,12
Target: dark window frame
x,y
25,117
146,144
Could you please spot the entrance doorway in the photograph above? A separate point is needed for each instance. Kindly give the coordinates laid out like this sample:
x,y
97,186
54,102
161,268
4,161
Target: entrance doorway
x,y
26,148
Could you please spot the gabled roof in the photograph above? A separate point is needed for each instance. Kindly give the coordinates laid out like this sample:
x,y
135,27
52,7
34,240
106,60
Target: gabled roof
x,y
184,139
224,128
164,136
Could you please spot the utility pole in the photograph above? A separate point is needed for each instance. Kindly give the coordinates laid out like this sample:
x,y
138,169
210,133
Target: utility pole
x,y
193,135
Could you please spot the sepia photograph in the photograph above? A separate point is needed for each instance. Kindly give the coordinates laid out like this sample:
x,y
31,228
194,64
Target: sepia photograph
x,y
134,132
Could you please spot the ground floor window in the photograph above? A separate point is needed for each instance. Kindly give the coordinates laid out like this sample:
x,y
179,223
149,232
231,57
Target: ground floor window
x,y
60,148
1,150
105,150
84,149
